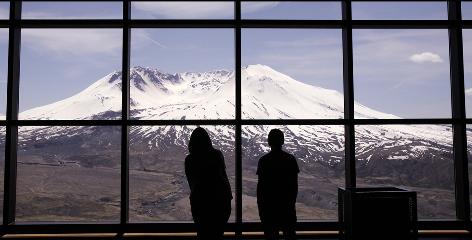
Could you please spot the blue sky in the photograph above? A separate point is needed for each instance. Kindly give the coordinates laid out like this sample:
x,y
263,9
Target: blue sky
x,y
51,10
58,63
4,10
399,11
467,10
467,36
403,72
313,56
183,50
291,10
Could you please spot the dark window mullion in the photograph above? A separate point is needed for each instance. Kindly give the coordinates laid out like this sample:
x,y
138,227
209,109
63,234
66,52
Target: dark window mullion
x,y
125,99
11,140
12,110
348,76
238,140
458,112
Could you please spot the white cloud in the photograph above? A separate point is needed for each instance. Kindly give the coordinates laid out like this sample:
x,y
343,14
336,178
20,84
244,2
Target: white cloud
x,y
426,57
141,38
72,10
187,10
65,15
79,42
384,56
468,92
250,7
83,42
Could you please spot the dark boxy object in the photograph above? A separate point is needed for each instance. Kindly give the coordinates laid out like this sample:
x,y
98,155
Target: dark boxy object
x,y
377,213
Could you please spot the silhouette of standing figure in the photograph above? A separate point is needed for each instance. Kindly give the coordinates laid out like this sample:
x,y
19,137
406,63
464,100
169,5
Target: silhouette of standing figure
x,y
210,191
277,189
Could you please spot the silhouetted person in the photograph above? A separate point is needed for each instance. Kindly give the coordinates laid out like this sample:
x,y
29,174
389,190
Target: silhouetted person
x,y
210,191
277,189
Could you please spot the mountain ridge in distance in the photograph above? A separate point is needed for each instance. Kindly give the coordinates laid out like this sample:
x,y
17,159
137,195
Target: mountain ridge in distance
x,y
418,156
266,94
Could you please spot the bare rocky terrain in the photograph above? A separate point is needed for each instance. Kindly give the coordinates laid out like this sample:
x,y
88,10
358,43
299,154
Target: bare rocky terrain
x,y
75,176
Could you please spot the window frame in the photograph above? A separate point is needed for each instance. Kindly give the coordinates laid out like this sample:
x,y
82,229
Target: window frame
x,y
454,24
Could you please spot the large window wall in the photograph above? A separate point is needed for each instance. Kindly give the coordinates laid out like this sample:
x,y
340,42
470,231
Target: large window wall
x,y
100,98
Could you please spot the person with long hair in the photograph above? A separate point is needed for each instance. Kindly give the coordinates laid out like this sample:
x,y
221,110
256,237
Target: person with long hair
x,y
210,190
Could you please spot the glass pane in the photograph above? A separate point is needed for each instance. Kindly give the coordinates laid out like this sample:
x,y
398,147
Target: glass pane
x,y
158,186
291,10
399,10
319,151
4,10
414,157
467,10
467,45
70,74
3,71
182,10
182,74
72,10
401,74
68,174
2,166
284,68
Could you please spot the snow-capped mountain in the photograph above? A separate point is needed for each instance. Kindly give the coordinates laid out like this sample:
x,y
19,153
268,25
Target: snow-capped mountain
x,y
266,94
418,157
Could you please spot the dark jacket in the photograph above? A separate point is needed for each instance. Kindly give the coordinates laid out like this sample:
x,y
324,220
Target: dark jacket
x,y
210,190
277,186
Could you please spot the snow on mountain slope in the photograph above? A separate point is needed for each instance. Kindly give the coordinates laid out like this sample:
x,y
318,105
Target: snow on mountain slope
x,y
266,94
102,96
207,95
271,94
